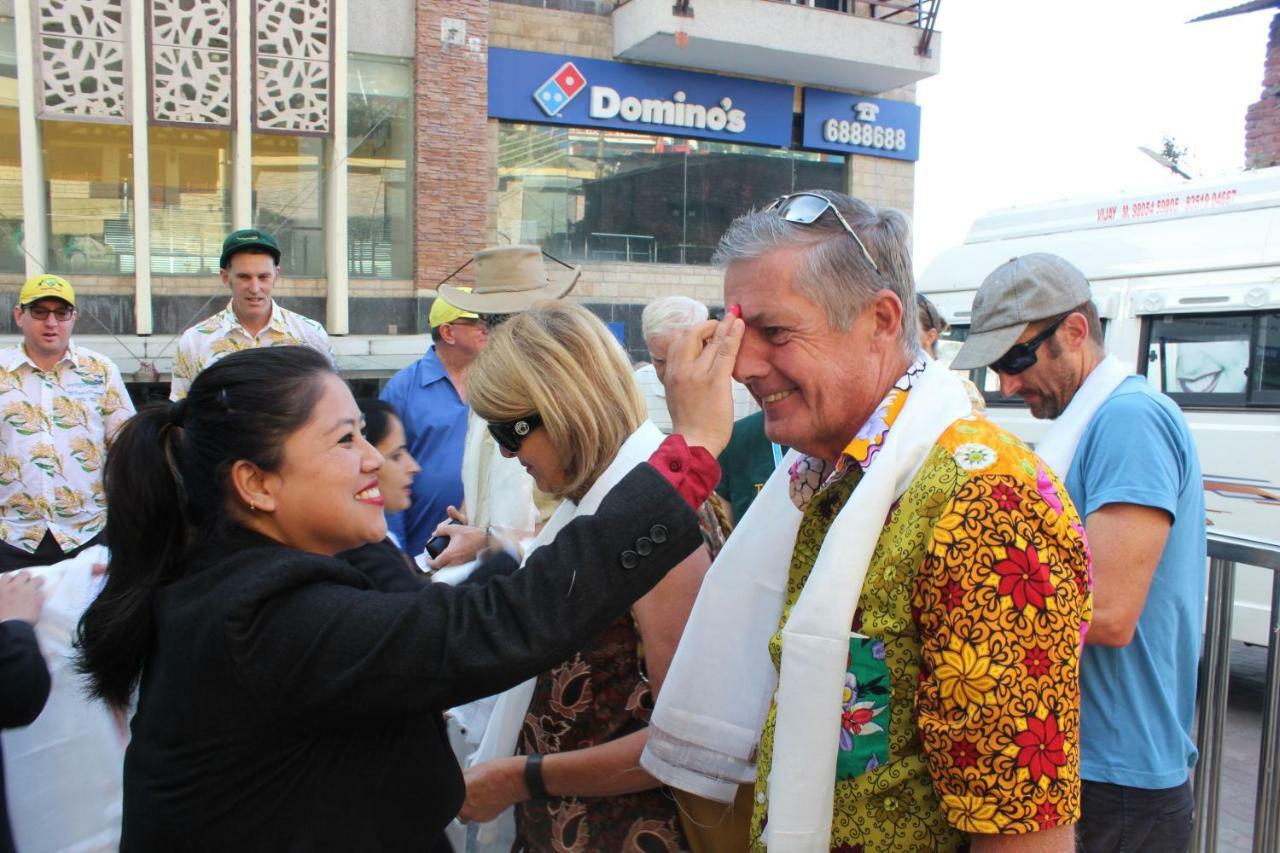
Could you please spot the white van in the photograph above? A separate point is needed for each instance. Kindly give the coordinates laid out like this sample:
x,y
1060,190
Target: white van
x,y
1187,281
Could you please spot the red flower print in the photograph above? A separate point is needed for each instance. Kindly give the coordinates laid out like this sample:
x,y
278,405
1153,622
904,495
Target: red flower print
x,y
1047,815
1006,497
1023,578
1036,660
1041,748
952,595
964,753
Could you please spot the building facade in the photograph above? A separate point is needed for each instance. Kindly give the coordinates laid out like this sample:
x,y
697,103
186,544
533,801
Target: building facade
x,y
383,142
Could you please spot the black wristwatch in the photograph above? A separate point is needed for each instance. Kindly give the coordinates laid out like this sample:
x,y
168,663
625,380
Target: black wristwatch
x,y
533,777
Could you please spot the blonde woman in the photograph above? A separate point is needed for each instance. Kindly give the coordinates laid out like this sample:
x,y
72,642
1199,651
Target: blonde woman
x,y
559,395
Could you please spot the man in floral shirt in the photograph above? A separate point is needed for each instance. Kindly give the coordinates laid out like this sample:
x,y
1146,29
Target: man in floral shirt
x,y
250,267
958,723
60,405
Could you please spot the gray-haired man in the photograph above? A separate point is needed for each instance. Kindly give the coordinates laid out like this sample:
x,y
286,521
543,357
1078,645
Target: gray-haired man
x,y
887,646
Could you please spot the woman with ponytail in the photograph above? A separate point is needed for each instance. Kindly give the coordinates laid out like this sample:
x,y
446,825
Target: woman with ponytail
x,y
283,702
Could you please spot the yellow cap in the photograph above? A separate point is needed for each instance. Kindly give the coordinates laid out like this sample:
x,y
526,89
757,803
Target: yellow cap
x,y
442,312
46,286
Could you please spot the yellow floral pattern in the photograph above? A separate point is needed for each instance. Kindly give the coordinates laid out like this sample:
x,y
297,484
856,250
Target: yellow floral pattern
x,y
55,426
976,595
222,334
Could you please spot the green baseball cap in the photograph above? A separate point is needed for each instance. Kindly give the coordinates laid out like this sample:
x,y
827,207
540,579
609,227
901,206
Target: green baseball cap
x,y
248,238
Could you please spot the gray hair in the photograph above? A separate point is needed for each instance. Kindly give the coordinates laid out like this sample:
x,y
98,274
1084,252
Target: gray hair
x,y
833,272
671,314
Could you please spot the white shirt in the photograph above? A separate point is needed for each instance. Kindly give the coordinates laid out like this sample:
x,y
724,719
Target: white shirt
x,y
55,426
655,398
223,333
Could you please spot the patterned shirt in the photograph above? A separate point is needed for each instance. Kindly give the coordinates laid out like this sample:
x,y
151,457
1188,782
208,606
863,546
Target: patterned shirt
x,y
223,333
56,425
961,706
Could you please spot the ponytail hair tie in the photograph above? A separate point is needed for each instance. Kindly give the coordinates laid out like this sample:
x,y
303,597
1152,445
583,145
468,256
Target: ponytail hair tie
x,y
178,412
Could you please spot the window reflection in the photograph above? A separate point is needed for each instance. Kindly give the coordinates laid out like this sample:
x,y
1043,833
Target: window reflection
x,y
1201,355
379,150
604,195
11,259
190,198
288,199
1267,370
89,183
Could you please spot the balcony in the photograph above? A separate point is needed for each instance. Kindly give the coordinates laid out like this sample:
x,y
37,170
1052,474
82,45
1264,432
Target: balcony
x,y
849,44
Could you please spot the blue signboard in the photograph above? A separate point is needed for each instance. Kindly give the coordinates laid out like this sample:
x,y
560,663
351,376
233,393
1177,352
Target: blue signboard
x,y
855,124
552,89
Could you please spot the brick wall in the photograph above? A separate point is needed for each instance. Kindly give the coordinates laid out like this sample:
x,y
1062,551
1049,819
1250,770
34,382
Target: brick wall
x,y
450,107
1262,120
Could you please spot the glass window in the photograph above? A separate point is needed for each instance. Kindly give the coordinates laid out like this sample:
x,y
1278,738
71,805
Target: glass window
x,y
1266,364
379,180
590,194
1200,359
190,198
11,259
89,184
288,199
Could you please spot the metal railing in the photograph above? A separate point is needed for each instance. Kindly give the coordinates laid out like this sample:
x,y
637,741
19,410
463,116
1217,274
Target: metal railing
x,y
1225,551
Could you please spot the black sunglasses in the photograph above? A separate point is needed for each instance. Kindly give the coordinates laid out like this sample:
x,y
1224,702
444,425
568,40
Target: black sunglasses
x,y
1022,356
511,434
807,208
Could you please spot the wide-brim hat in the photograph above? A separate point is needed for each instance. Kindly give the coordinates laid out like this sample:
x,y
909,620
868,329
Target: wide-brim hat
x,y
509,279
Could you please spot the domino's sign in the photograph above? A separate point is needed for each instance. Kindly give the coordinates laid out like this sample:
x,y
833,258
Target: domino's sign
x,y
581,92
853,124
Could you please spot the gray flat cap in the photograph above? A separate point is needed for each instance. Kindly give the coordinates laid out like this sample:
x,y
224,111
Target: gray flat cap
x,y
1019,292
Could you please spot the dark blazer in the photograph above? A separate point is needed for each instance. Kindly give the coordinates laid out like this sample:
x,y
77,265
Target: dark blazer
x,y
24,687
289,705
387,566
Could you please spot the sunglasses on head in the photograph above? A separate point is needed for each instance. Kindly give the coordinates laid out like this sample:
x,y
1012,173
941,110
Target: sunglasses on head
x,y
1022,356
807,208
511,434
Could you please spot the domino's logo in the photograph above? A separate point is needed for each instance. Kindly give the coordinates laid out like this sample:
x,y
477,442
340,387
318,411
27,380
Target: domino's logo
x,y
559,89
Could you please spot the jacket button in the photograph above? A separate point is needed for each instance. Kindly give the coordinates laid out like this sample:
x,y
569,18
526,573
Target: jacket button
x,y
644,546
629,559
658,533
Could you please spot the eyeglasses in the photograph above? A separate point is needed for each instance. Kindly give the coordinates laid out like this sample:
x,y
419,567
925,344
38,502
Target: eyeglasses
x,y
41,313
511,434
468,321
1022,356
807,208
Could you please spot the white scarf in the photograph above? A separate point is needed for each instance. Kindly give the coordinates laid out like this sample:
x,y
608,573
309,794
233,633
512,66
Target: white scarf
x,y
1058,447
713,705
507,718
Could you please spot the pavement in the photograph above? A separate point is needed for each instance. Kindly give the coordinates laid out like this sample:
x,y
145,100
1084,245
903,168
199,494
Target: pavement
x,y
1241,741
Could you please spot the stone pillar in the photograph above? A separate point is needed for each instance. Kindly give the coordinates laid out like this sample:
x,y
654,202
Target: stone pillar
x,y
1262,120
452,153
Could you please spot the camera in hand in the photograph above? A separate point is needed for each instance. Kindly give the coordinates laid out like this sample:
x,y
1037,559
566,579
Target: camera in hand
x,y
437,544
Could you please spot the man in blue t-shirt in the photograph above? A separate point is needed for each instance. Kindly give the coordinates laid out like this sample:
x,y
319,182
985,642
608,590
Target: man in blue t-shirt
x,y
1134,475
430,397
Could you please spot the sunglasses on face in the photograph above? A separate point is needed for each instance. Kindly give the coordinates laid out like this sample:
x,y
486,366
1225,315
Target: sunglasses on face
x,y
41,313
511,434
1022,356
807,208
